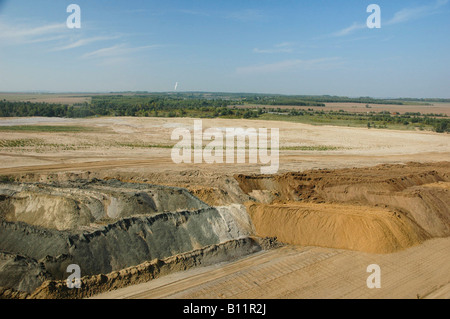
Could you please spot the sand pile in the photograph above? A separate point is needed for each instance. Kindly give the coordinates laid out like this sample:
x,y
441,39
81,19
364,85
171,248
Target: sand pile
x,y
426,204
380,209
317,185
367,229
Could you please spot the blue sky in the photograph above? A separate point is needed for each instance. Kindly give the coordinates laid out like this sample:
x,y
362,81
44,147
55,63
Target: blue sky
x,y
261,46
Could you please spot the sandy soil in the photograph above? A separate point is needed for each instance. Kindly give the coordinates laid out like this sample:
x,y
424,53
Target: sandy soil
x,y
362,228
308,272
131,142
137,150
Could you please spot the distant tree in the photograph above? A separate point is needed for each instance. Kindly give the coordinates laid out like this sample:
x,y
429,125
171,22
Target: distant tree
x,y
442,127
248,114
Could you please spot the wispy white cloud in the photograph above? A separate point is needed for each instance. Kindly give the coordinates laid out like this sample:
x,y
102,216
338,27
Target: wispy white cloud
x,y
195,13
409,14
280,50
30,34
295,64
284,44
106,52
248,15
285,47
83,42
46,39
117,51
354,27
114,61
136,10
401,16
60,39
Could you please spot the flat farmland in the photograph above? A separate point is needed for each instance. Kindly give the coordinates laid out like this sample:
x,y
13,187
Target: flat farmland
x,y
433,108
67,99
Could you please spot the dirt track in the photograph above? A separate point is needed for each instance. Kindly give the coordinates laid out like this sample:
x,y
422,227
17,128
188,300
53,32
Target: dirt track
x,y
308,272
72,164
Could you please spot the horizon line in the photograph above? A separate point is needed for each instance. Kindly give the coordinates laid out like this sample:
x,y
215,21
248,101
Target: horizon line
x,y
214,92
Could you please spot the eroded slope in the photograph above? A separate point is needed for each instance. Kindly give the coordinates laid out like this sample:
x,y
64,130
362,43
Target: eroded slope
x,y
53,226
380,209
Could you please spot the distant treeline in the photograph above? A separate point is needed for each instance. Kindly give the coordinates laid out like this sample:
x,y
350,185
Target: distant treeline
x,y
281,100
273,99
382,119
277,99
426,100
22,109
311,100
114,105
147,106
213,106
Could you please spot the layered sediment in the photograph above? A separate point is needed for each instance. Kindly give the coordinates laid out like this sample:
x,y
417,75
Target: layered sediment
x,y
148,270
80,204
122,233
106,242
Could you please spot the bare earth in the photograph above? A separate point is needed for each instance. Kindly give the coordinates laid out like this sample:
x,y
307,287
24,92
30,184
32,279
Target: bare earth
x,y
128,142
138,149
308,272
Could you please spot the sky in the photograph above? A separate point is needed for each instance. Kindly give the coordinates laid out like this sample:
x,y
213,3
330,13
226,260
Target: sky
x,y
321,47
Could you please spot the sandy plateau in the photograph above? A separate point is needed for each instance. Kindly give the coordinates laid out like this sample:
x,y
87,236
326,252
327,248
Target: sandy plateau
x,y
109,198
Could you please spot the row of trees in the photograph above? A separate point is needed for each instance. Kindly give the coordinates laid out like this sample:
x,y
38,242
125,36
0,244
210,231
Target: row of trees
x,y
204,108
21,109
312,100
281,100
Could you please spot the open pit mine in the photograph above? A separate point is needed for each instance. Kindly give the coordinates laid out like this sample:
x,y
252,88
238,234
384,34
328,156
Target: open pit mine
x,y
121,233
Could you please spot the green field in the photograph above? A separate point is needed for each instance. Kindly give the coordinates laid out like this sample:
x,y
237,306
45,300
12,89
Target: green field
x,y
309,110
46,128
